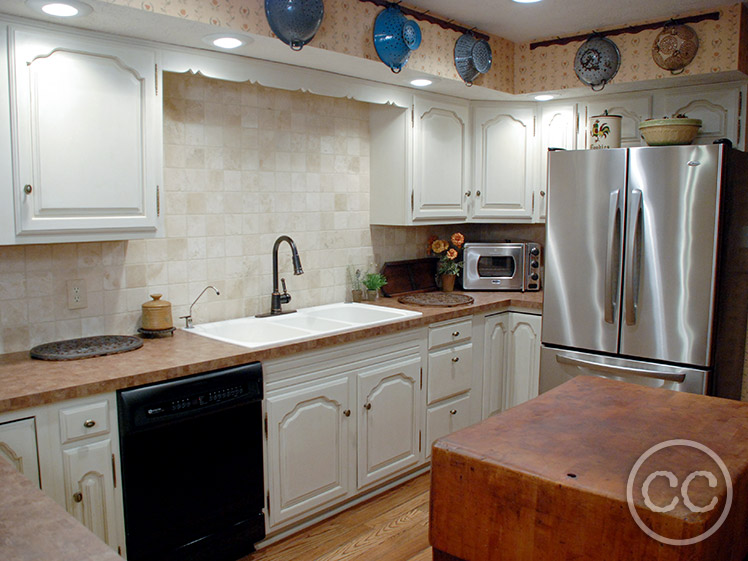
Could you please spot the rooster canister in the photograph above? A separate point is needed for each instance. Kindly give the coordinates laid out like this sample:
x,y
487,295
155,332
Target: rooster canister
x,y
604,132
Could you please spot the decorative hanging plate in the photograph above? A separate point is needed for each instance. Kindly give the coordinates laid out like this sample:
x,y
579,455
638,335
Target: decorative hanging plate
x,y
675,47
86,347
395,37
597,62
294,22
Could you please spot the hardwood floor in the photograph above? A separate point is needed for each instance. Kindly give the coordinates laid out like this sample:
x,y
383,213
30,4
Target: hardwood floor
x,y
390,527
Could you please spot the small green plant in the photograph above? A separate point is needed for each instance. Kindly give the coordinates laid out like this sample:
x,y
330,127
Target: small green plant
x,y
374,281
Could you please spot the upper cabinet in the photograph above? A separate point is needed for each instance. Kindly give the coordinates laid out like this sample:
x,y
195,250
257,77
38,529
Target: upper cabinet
x,y
86,138
504,174
441,163
633,109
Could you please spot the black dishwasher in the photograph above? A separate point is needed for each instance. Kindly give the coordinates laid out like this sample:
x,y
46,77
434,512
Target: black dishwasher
x,y
192,466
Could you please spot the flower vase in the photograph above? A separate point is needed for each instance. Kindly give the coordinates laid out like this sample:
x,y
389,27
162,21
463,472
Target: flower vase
x,y
448,283
372,295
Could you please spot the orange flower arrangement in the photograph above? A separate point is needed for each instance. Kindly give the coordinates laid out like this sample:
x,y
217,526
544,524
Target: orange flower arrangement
x,y
448,256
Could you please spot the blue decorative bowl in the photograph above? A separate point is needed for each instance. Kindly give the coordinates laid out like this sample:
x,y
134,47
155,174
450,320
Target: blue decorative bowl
x,y
395,37
472,57
294,22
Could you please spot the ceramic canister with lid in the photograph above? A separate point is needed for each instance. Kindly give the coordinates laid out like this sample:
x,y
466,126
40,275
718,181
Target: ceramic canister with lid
x,y
604,131
157,314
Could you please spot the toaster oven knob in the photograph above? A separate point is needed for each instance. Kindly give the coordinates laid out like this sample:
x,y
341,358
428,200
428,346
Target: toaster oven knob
x,y
534,276
534,264
534,251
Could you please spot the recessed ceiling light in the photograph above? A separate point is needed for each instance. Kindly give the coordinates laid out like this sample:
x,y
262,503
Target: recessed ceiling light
x,y
526,1
421,82
544,97
226,40
60,8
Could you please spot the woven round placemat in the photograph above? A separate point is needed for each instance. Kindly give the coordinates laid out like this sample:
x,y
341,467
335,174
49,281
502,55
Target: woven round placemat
x,y
443,299
86,347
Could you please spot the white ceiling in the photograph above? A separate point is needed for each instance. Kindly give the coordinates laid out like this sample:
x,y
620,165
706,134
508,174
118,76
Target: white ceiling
x,y
555,18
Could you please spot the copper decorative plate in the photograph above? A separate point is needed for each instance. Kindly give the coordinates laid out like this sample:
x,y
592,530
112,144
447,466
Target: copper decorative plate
x,y
86,347
441,299
675,47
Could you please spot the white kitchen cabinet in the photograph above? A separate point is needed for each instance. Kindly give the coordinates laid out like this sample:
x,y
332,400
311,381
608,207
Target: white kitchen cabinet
x,y
445,418
505,163
511,360
308,464
720,108
633,109
441,159
559,127
86,138
18,446
389,433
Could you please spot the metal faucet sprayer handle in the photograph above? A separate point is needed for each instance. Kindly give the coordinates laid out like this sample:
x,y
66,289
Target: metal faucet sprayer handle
x,y
283,284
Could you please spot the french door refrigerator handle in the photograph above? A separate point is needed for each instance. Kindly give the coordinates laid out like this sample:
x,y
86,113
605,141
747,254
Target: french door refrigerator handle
x,y
615,219
609,369
633,257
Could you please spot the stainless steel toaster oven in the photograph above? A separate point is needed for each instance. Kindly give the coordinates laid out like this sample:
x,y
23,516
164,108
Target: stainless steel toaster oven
x,y
502,266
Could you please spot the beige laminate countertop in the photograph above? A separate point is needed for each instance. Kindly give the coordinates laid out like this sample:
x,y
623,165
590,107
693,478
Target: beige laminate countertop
x,y
25,382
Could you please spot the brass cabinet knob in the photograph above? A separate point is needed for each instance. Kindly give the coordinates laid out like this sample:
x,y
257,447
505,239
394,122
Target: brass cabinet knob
x,y
453,411
347,412
456,359
455,334
78,497
477,193
27,189
88,423
468,193
367,406
542,193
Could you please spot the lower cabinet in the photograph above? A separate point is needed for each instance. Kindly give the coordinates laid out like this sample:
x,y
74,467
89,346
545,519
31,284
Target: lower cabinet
x,y
511,360
340,422
18,446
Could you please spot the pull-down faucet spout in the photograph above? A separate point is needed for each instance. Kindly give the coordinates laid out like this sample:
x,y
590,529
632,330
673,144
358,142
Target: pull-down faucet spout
x,y
277,299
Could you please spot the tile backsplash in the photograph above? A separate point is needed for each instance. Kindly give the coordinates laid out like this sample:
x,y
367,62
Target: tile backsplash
x,y
243,164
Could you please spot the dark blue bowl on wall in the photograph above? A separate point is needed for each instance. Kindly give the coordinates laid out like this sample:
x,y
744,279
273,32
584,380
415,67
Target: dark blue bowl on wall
x,y
395,36
294,22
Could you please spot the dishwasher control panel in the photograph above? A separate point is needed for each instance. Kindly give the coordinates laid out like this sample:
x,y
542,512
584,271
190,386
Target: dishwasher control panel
x,y
216,395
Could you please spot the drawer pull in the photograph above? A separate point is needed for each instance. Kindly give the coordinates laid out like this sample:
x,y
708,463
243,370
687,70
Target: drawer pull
x,y
88,423
367,406
27,189
455,334
456,359
347,412
78,497
453,411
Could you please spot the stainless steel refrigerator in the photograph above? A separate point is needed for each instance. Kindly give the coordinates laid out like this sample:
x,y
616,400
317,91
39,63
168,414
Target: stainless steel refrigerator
x,y
632,274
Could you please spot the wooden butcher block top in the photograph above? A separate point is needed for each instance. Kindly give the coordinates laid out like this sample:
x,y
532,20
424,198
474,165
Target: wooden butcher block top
x,y
547,480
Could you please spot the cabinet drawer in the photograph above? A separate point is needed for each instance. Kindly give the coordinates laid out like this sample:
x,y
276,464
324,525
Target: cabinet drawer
x,y
450,372
83,421
446,418
450,333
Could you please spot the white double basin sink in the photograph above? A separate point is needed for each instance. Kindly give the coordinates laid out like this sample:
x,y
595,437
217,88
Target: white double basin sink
x,y
307,323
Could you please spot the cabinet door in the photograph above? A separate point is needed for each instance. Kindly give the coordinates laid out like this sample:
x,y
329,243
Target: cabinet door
x,y
523,359
446,418
89,488
450,372
388,429
308,448
440,171
504,173
18,446
719,109
86,135
558,129
633,109
494,362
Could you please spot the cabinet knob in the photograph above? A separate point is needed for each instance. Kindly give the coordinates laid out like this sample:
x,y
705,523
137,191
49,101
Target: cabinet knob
x,y
456,359
78,497
455,334
367,406
88,423
453,411
477,193
347,412
468,193
542,193
27,189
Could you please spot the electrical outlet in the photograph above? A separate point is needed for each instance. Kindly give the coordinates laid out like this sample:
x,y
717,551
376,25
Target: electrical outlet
x,y
77,296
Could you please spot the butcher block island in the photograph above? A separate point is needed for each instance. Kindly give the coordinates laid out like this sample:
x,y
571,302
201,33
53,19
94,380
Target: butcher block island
x,y
547,480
